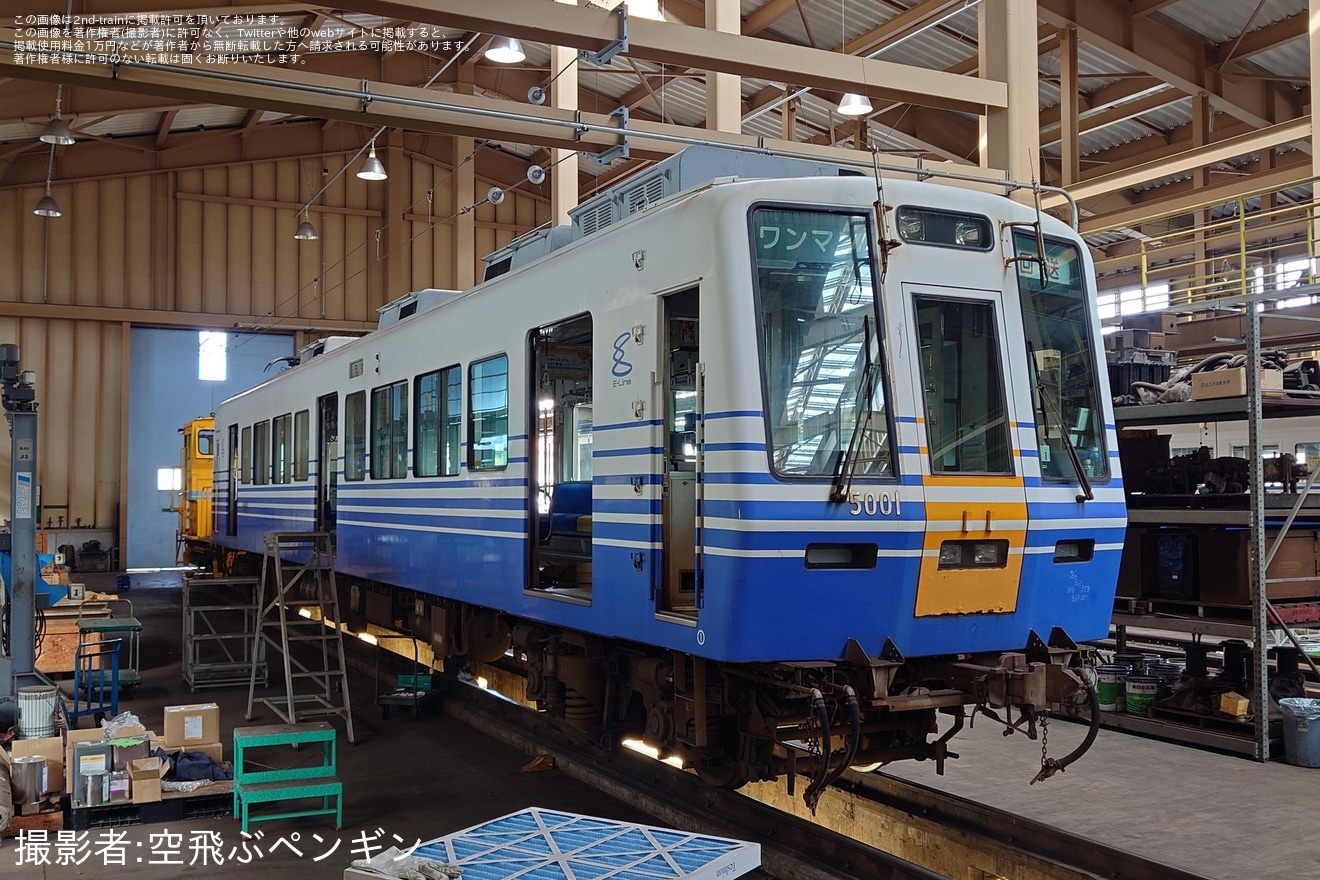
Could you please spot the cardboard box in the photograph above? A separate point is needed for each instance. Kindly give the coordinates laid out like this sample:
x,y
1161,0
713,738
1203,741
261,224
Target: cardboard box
x,y
144,776
193,724
129,749
214,751
52,749
1215,384
1155,322
1233,703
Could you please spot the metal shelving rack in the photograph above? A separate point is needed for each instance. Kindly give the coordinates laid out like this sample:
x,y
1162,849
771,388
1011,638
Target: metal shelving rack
x,y
219,617
1254,409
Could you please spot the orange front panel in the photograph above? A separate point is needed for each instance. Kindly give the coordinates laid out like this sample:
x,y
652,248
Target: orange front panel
x,y
1001,516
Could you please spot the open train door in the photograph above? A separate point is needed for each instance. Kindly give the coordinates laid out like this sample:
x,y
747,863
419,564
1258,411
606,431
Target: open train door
x,y
327,462
976,504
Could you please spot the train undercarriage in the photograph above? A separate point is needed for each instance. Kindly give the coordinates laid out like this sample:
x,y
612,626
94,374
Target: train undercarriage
x,y
739,723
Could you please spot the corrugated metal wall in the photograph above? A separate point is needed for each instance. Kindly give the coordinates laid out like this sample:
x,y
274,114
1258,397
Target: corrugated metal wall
x,y
210,247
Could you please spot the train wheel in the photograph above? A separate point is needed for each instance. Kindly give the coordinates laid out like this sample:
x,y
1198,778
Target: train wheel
x,y
723,773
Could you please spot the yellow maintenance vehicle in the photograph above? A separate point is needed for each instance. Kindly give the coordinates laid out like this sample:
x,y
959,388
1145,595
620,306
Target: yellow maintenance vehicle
x,y
193,500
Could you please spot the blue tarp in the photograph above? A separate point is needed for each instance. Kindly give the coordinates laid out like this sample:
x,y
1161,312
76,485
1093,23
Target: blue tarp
x,y
53,592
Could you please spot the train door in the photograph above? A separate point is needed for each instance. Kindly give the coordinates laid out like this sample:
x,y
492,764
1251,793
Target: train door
x,y
231,500
560,457
327,462
976,509
680,506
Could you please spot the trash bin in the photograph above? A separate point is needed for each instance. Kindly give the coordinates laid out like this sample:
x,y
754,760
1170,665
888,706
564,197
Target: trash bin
x,y
1301,731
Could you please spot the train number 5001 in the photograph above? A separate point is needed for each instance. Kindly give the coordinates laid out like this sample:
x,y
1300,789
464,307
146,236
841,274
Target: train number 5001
x,y
872,503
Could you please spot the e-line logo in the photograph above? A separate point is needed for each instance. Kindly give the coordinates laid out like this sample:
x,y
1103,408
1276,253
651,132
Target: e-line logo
x,y
621,365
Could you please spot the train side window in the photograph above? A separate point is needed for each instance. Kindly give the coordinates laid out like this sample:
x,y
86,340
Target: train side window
x,y
281,442
245,466
389,432
966,420
261,453
437,422
488,414
355,436
301,443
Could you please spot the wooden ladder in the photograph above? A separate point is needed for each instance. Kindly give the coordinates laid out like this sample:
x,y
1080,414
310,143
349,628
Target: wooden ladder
x,y
288,587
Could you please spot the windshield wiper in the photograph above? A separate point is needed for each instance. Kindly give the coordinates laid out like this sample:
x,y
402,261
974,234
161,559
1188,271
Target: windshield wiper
x,y
1053,414
847,466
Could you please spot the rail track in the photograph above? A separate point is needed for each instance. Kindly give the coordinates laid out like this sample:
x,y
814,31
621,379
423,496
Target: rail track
x,y
876,826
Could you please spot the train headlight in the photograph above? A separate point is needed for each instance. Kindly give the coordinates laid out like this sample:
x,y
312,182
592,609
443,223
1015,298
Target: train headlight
x,y
973,554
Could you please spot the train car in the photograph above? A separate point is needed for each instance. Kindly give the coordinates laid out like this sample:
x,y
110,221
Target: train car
x,y
192,502
765,464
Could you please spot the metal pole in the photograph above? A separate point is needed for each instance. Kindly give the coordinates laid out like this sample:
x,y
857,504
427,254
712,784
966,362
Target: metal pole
x,y
1260,699
23,549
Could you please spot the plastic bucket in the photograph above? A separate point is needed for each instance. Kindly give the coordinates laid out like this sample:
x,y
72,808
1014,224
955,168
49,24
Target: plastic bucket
x,y
1301,731
36,711
1109,686
1141,692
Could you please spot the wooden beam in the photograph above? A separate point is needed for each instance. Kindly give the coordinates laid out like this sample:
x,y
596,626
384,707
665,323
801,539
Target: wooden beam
x,y
1268,138
593,29
1173,56
766,15
200,320
1262,39
337,97
163,127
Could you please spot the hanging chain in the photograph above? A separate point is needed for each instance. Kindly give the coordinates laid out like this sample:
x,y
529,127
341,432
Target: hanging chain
x,y
1045,738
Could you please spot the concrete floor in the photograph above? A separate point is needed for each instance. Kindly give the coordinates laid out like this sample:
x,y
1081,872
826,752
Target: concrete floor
x,y
1217,815
1220,816
415,779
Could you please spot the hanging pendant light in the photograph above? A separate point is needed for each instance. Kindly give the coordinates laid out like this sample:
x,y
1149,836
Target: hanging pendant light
x,y
57,131
306,231
371,168
48,207
505,50
854,105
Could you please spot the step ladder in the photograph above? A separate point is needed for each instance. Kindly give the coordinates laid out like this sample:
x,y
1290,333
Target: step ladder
x,y
297,574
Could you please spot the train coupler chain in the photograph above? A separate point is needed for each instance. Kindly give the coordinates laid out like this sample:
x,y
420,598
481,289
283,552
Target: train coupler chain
x,y
1048,766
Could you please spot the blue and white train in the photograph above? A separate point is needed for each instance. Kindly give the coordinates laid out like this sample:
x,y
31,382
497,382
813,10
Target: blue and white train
x,y
765,464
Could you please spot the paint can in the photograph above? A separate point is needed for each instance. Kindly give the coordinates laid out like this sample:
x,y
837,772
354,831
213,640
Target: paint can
x,y
1168,675
29,778
36,711
1109,686
97,788
1133,660
1140,692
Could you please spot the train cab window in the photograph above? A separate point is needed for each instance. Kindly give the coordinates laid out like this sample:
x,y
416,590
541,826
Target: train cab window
x,y
389,432
437,423
966,422
488,414
301,443
1056,313
355,436
261,453
245,457
281,470
206,443
823,375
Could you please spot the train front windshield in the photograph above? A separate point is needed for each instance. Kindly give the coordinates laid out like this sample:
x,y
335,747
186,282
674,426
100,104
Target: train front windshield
x,y
817,309
1057,316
